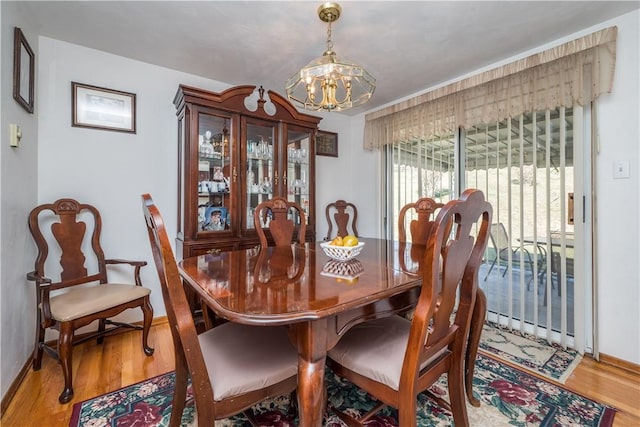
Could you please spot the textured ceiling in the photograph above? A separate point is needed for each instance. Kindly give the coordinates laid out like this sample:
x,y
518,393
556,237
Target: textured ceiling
x,y
406,46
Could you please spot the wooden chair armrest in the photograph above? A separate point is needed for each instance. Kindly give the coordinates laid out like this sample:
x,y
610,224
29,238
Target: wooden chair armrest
x,y
126,261
40,280
137,264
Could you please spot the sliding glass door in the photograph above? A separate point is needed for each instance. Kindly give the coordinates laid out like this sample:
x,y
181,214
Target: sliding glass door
x,y
530,169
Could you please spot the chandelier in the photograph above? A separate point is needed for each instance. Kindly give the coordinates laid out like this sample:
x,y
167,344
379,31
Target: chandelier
x,y
329,82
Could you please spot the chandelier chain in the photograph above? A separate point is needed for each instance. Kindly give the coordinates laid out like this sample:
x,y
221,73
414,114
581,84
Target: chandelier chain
x,y
329,42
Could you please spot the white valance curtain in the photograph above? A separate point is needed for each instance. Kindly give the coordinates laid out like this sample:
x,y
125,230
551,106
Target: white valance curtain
x,y
576,72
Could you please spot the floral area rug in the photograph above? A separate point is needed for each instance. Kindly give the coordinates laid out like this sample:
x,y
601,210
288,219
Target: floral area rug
x,y
549,360
510,397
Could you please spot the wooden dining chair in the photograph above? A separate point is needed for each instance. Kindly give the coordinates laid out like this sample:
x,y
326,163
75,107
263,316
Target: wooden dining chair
x,y
419,228
277,216
345,216
232,366
394,359
66,291
425,209
415,254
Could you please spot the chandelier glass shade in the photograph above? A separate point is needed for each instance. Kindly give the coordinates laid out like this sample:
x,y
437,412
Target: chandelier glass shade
x,y
329,82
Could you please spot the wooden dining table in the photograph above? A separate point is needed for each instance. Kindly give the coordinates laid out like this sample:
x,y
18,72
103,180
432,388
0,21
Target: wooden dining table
x,y
318,299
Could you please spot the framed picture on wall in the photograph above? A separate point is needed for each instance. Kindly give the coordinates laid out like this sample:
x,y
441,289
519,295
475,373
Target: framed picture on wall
x,y
23,71
327,143
100,108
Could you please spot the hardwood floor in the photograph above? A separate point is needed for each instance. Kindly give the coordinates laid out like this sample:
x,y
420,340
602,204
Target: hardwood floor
x,y
120,361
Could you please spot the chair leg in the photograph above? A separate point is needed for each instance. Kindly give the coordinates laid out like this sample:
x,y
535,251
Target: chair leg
x,y
407,409
65,350
293,404
179,392
490,268
506,267
37,351
102,323
529,281
455,382
475,331
504,273
147,313
207,316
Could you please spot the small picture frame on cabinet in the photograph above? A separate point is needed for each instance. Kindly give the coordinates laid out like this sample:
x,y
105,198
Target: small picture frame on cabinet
x,y
215,219
326,143
23,71
101,108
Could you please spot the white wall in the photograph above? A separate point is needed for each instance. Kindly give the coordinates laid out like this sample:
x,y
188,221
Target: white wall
x,y
618,200
110,170
18,187
352,176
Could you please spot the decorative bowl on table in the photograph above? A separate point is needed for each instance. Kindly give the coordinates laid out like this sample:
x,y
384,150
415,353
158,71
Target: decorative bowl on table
x,y
342,253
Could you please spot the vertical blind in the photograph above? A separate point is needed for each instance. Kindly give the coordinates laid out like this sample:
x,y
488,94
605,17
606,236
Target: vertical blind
x,y
525,166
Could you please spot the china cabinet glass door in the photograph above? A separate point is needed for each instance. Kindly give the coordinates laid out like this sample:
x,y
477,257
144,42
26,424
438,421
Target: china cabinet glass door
x,y
215,185
261,174
297,169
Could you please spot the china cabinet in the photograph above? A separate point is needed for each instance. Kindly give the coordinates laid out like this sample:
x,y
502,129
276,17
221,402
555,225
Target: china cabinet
x,y
236,149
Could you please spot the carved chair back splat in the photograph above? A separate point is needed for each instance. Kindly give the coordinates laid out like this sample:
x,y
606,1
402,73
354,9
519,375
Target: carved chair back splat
x,y
345,216
276,214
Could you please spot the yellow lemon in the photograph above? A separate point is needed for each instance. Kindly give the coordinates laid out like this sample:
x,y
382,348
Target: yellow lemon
x,y
349,240
338,241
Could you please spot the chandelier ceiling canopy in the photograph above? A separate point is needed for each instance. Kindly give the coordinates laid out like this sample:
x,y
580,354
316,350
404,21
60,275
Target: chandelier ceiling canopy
x,y
330,82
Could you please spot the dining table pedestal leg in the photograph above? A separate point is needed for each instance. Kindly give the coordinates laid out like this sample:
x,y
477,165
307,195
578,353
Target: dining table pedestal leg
x,y
311,341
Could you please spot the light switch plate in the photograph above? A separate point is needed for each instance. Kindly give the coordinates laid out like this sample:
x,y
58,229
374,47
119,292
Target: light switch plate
x,y
14,135
621,169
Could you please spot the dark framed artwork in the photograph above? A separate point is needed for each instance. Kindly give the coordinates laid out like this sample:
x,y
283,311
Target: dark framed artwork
x,y
24,61
327,143
101,108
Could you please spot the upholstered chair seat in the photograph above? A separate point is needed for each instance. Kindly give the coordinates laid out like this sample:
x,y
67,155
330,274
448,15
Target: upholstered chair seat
x,y
376,350
234,365
81,302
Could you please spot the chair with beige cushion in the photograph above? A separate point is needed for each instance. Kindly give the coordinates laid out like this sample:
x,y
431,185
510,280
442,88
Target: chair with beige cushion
x,y
425,211
395,359
67,235
232,367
